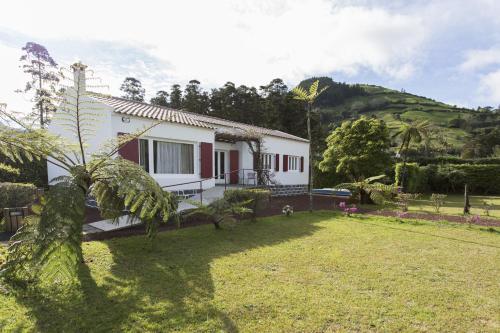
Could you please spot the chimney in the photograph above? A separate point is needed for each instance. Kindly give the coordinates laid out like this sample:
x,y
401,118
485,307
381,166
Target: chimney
x,y
79,76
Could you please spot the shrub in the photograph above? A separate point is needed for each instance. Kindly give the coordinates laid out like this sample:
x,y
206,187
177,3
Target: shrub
x,y
34,172
257,199
416,177
16,194
438,201
481,178
403,200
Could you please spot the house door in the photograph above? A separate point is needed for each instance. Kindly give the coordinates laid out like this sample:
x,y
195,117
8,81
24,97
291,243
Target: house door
x,y
221,161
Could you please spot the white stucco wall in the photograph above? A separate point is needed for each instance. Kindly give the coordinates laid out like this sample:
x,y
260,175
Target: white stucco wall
x,y
108,124
93,141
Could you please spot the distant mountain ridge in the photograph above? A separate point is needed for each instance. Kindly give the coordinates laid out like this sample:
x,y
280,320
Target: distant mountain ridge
x,y
343,101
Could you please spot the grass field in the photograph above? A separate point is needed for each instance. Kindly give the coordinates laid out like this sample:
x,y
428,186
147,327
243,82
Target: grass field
x,y
308,273
454,205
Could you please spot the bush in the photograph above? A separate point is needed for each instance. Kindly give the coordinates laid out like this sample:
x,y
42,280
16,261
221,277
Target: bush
x,y
258,198
16,194
451,178
416,177
438,201
34,172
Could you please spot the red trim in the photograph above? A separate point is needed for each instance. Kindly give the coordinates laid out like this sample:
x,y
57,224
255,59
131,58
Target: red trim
x,y
233,166
301,163
277,162
130,151
285,163
206,156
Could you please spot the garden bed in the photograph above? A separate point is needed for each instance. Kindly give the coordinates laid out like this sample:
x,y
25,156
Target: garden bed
x,y
299,203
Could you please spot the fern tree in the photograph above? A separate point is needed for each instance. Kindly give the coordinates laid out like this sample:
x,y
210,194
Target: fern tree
x,y
49,246
414,132
369,190
309,97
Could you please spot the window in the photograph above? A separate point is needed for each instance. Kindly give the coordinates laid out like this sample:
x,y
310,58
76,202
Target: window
x,y
267,161
144,154
173,158
293,163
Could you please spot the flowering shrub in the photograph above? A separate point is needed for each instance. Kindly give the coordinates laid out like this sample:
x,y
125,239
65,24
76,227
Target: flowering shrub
x,y
473,219
401,214
287,210
348,210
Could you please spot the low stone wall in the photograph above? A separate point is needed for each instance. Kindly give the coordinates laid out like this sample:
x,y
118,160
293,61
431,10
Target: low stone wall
x,y
287,190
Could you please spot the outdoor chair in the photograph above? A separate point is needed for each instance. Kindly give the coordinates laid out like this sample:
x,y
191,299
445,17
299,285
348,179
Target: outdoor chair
x,y
252,176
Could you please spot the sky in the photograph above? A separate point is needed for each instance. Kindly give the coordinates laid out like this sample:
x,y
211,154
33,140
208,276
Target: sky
x,y
448,50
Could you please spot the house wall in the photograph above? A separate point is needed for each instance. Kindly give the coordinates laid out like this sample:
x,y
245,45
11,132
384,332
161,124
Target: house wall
x,y
168,132
101,132
108,124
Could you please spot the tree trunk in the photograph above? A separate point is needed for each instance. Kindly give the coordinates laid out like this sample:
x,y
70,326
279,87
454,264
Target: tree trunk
x,y
40,102
466,201
311,175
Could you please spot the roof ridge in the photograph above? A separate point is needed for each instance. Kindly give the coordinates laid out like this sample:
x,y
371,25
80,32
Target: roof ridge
x,y
197,116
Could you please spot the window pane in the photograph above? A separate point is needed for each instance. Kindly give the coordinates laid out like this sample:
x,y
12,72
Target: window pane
x,y
173,158
216,159
144,154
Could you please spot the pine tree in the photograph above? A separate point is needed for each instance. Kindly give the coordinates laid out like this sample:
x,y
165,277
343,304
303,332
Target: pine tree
x,y
176,97
161,98
38,63
132,89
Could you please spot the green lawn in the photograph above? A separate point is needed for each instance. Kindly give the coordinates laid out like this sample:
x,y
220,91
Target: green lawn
x,y
308,273
454,205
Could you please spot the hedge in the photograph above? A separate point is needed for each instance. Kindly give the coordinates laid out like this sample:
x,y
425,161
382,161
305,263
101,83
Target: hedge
x,y
454,160
16,195
34,172
451,178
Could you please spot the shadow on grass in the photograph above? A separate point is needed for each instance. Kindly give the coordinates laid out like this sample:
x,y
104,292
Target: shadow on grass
x,y
167,289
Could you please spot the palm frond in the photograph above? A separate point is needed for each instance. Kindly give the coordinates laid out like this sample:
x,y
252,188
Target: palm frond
x,y
120,185
300,94
48,246
313,88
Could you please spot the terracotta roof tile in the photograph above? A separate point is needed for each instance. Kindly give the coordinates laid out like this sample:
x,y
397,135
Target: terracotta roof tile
x,y
139,109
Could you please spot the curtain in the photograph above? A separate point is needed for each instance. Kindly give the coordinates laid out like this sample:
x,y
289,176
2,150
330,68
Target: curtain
x,y
174,158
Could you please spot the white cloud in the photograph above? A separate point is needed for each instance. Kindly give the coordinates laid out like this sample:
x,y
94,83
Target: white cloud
x,y
248,42
479,59
490,87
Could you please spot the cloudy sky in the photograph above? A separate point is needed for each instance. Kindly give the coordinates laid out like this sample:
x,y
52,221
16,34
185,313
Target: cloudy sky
x,y
445,49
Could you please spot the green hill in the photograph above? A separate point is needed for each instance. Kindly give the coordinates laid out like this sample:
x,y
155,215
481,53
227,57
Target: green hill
x,y
454,126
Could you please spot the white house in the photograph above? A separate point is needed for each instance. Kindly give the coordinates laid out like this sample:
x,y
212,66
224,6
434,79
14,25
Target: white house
x,y
187,147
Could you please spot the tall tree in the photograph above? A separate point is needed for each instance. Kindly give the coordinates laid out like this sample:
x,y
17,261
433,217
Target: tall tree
x,y
176,97
195,99
49,248
37,62
414,132
132,89
161,98
309,97
358,149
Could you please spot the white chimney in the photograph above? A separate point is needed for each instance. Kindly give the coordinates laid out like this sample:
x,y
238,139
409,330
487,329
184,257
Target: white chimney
x,y
79,76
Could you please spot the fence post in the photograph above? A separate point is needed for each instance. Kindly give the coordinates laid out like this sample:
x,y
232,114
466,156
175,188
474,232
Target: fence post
x,y
201,192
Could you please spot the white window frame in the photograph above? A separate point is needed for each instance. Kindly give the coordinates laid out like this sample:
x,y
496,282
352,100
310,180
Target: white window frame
x,y
152,157
293,163
268,161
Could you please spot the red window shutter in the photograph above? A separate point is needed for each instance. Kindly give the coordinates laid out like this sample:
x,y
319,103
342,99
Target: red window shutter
x,y
285,163
233,166
206,155
277,162
130,150
255,160
301,163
